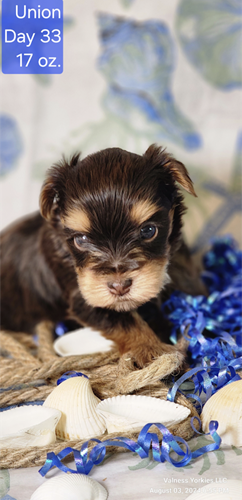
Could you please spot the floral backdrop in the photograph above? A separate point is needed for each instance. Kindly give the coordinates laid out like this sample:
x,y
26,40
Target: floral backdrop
x,y
135,72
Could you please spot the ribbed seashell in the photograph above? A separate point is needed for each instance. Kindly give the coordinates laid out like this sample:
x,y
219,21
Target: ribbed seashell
x,y
70,487
75,399
123,413
228,490
82,341
29,425
225,406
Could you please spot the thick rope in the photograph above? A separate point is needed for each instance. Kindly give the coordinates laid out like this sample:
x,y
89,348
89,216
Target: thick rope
x,y
45,342
16,350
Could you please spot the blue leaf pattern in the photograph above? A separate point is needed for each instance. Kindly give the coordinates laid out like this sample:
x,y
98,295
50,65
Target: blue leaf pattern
x,y
11,145
138,61
4,482
210,33
8,497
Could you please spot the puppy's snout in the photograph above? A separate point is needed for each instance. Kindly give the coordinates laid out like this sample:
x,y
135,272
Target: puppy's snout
x,y
119,287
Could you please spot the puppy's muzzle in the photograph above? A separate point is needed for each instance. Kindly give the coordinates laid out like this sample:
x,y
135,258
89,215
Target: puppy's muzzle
x,y
120,287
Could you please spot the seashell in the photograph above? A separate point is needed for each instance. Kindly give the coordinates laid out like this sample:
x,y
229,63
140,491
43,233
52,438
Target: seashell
x,y
229,490
29,425
82,341
71,487
75,399
122,413
225,406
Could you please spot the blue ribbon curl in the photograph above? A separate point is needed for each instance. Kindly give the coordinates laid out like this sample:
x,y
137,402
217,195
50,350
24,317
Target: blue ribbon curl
x,y
212,325
70,374
206,380
145,442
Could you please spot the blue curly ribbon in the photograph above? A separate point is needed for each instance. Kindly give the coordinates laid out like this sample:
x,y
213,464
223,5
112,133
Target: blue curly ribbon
x,y
222,263
145,442
219,315
213,426
212,325
206,381
70,374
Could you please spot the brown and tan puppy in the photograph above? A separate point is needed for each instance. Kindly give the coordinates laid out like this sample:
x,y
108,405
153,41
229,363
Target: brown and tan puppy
x,y
106,242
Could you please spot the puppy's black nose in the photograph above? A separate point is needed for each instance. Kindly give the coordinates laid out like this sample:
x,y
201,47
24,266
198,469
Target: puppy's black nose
x,y
120,287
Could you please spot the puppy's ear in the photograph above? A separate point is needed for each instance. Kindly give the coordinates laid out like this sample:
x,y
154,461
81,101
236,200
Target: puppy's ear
x,y
49,193
178,171
53,189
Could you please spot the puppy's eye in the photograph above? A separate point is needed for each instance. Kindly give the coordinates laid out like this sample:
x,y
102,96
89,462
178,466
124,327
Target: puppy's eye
x,y
79,240
148,232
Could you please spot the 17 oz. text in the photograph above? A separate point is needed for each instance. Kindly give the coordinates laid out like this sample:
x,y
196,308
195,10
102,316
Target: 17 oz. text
x,y
24,60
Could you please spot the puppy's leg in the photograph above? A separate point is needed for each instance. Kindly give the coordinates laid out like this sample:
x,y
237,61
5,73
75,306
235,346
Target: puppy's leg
x,y
139,341
127,329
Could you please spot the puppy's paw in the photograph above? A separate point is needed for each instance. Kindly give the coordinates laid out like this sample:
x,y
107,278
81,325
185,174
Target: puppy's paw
x,y
143,355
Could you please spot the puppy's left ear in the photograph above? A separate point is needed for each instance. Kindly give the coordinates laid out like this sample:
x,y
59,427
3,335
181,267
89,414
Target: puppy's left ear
x,y
177,170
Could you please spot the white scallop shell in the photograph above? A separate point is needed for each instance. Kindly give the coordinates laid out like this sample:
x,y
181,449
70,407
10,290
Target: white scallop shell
x,y
70,487
225,406
75,399
122,413
82,341
29,425
228,490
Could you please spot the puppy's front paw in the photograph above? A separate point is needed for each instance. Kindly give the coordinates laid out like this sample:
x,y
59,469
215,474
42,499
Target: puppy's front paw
x,y
143,355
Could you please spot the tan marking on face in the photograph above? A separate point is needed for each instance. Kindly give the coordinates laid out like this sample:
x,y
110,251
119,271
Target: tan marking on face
x,y
77,220
147,282
142,211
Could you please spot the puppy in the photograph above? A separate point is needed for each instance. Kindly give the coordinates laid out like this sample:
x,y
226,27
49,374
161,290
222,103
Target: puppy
x,y
104,243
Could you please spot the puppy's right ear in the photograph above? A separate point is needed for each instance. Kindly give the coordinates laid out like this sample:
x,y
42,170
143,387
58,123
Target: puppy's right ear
x,y
53,189
49,192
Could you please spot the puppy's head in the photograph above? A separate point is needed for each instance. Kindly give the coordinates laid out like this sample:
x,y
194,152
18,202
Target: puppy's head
x,y
121,215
